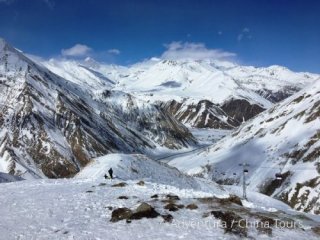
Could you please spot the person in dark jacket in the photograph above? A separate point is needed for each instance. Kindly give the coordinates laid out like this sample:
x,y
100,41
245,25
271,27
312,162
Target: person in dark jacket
x,y
110,173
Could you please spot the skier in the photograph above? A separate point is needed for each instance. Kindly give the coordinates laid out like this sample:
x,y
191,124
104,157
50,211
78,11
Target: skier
x,y
110,173
106,176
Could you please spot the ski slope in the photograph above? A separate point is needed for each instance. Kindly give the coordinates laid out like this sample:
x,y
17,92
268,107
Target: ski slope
x,y
81,209
139,167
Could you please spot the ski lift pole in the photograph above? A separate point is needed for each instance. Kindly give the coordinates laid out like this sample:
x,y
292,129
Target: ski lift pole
x,y
244,184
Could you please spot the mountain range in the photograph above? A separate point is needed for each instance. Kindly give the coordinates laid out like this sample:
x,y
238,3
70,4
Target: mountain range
x,y
53,127
58,115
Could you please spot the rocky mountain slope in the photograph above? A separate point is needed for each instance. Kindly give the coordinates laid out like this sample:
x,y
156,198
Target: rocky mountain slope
x,y
202,94
52,127
282,148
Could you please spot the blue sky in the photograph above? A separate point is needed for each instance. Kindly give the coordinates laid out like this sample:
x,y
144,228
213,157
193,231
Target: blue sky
x,y
251,32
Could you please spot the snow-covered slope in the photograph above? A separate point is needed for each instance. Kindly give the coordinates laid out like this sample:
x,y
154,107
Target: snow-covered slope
x,y
5,178
82,208
284,140
140,167
186,84
213,80
52,127
75,72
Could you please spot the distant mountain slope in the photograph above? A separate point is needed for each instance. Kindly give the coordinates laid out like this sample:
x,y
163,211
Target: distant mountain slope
x,y
202,94
284,140
77,73
240,92
52,127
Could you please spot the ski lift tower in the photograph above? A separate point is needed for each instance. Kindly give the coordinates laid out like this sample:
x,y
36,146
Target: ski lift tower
x,y
244,184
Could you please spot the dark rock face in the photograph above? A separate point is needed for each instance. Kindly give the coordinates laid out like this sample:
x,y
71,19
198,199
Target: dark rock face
x,y
275,97
241,110
204,114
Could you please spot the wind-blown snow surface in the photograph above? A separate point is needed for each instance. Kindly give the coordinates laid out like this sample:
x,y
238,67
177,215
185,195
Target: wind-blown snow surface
x,y
284,140
81,208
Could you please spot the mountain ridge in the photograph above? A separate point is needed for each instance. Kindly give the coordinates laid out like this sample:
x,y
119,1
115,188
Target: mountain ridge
x,y
52,127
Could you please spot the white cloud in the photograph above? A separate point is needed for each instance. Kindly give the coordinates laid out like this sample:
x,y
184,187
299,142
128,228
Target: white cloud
x,y
78,50
114,51
197,51
245,33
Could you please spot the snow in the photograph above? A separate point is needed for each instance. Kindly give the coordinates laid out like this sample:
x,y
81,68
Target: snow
x,y
4,178
265,143
140,167
193,80
45,114
79,208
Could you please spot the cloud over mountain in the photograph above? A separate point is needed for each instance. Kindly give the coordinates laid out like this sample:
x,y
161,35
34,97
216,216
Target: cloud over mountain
x,y
77,50
196,51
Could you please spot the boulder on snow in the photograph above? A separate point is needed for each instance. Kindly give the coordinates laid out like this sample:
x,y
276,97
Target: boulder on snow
x,y
167,218
231,222
231,199
172,197
173,207
121,184
155,196
144,211
192,206
123,197
140,183
120,214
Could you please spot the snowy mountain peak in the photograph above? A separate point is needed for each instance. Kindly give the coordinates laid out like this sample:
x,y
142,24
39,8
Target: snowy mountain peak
x,y
52,126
